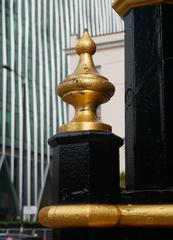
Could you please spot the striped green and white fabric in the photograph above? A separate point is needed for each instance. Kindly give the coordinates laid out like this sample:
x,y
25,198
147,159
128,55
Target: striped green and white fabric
x,y
33,37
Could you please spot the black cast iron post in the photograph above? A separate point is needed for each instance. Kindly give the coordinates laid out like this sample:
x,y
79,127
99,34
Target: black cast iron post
x,y
148,88
148,118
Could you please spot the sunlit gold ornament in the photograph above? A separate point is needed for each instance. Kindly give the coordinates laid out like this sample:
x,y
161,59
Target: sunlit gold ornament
x,y
85,89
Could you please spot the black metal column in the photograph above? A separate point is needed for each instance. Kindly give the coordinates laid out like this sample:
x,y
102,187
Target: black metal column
x,y
86,170
149,77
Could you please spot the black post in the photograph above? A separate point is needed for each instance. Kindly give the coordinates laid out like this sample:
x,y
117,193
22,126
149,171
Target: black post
x,y
86,170
148,86
148,82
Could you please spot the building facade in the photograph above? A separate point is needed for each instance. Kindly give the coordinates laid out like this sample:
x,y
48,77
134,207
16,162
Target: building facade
x,y
33,37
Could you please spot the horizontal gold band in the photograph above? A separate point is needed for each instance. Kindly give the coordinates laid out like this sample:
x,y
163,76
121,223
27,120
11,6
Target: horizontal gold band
x,y
93,215
69,216
122,7
85,126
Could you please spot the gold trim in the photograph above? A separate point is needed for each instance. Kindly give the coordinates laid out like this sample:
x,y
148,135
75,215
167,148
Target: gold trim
x,y
85,90
146,215
71,216
93,215
122,7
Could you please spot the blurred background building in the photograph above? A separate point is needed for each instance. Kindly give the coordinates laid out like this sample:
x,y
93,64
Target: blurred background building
x,y
35,40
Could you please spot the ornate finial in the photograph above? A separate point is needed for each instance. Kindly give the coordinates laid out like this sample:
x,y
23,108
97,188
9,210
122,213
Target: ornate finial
x,y
85,89
86,44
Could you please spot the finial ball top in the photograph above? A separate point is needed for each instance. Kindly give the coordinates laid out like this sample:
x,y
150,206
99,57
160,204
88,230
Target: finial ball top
x,y
86,44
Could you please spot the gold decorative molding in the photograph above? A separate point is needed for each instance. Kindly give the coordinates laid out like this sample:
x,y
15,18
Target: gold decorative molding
x,y
95,215
122,7
85,89
70,216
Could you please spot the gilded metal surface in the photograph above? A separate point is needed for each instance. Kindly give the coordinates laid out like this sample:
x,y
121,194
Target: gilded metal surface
x,y
85,89
93,215
79,216
146,215
122,7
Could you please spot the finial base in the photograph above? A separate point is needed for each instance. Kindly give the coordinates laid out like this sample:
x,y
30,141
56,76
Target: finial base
x,y
85,126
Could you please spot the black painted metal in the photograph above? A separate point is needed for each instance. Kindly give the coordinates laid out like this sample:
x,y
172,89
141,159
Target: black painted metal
x,y
149,77
86,170
86,167
118,234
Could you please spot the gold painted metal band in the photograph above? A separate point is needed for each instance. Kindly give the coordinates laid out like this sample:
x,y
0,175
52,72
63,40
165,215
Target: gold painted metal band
x,y
70,216
94,215
122,7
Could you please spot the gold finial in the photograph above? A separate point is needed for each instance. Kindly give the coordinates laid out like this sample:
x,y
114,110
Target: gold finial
x,y
86,44
85,89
